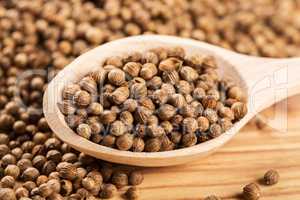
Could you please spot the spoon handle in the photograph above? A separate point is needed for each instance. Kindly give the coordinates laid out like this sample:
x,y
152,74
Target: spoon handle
x,y
271,82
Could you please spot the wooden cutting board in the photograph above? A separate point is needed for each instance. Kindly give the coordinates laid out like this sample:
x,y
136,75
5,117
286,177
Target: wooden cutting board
x,y
243,160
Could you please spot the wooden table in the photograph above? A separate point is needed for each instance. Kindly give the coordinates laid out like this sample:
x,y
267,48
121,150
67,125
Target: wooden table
x,y
243,160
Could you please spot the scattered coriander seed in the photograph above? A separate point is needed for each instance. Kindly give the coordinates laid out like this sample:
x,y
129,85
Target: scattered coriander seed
x,y
251,192
7,194
7,182
132,193
30,174
45,190
108,191
67,170
271,177
120,179
88,183
21,192
136,178
12,170
212,197
41,180
66,187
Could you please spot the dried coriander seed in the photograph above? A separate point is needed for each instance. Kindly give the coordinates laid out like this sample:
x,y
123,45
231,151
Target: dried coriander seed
x,y
21,192
116,77
108,191
124,142
132,68
251,192
189,139
152,145
132,193
148,71
7,194
67,170
30,174
7,182
136,178
271,177
84,130
239,109
212,197
120,179
82,98
138,144
12,170
117,128
159,101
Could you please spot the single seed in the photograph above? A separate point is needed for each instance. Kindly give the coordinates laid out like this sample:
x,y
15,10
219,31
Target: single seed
x,y
271,177
212,197
124,142
84,130
82,98
116,77
120,179
239,109
136,178
251,192
132,193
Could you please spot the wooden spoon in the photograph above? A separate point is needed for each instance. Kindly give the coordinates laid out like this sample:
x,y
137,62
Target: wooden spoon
x,y
263,79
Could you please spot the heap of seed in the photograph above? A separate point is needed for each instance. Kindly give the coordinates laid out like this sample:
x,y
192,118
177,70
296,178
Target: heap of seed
x,y
158,100
40,166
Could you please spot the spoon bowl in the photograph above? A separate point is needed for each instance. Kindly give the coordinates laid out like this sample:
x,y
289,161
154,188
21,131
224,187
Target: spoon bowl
x,y
257,76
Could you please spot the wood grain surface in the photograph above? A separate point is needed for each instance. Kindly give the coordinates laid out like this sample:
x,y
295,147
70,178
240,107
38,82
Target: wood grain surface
x,y
243,160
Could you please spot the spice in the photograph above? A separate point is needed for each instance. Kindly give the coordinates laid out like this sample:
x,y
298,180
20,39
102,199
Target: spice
x,y
260,122
12,170
124,142
271,177
7,194
30,174
67,170
45,190
251,192
82,98
239,109
116,77
21,192
108,191
84,131
132,193
88,183
138,145
120,179
212,197
7,182
136,178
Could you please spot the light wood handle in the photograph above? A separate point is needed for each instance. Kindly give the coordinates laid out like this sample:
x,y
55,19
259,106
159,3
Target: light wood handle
x,y
271,82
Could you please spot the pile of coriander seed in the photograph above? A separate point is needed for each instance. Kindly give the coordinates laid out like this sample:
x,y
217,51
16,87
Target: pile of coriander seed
x,y
39,37
158,100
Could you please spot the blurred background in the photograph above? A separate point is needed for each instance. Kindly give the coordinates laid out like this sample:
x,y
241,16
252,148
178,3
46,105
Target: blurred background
x,y
40,37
